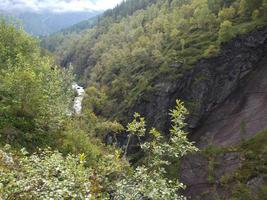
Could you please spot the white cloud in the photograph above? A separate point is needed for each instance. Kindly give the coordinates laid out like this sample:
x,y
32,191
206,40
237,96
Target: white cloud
x,y
57,5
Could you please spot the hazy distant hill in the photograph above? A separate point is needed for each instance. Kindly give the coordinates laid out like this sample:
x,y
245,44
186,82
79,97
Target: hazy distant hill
x,y
81,26
41,24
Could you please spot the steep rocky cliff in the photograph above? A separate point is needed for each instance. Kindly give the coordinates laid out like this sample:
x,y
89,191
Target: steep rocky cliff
x,y
227,99
239,117
206,85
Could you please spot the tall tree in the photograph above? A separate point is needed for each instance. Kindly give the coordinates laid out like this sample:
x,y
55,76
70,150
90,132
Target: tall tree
x,y
34,94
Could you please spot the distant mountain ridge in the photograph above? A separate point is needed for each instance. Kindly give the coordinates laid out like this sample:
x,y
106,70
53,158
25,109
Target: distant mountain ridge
x,y
46,23
81,26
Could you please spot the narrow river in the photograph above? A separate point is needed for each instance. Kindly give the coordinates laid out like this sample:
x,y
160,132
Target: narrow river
x,y
77,106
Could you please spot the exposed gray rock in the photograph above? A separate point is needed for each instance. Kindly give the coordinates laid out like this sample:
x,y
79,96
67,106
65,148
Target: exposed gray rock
x,y
255,183
207,85
202,176
227,98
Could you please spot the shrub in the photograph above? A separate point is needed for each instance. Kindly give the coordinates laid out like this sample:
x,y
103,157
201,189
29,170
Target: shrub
x,y
211,51
44,175
226,31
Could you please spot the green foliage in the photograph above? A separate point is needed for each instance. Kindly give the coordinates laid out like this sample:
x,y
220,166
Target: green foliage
x,y
215,5
75,139
255,14
35,98
120,59
227,14
14,42
248,181
226,31
253,165
241,191
246,7
264,8
95,108
44,175
48,174
34,94
211,51
148,184
211,153
134,45
149,180
95,101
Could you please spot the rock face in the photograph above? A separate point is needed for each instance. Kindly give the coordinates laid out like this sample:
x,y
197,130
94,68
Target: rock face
x,y
241,115
227,98
208,84
203,176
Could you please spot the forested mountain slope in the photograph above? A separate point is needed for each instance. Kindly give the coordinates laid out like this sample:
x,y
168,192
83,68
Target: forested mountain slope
x,y
139,57
161,41
209,53
54,41
49,152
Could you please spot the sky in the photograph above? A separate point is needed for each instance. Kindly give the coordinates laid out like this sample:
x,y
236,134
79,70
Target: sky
x,y
57,5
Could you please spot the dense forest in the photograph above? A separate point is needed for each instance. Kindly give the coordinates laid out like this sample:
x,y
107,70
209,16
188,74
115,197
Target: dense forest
x,y
140,42
109,151
35,99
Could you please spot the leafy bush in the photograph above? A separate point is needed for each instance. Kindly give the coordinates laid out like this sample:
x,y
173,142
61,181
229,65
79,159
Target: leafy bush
x,y
211,51
48,174
44,175
34,94
226,31
149,180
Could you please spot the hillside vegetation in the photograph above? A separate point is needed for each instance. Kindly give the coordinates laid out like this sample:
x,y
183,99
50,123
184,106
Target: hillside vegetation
x,y
47,153
140,42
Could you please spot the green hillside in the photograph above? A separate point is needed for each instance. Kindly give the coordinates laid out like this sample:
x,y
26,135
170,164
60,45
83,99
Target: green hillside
x,y
109,152
45,152
160,40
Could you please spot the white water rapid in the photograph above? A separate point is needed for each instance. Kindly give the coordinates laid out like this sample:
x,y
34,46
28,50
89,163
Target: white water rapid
x,y
77,106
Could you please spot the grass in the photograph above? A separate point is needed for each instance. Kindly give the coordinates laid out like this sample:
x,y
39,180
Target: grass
x,y
253,164
253,156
